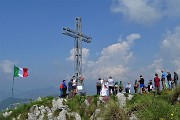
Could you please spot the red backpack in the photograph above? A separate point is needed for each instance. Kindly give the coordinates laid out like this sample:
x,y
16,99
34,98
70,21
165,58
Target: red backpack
x,y
61,86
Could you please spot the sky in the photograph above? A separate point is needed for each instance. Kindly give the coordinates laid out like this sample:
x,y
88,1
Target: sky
x,y
129,38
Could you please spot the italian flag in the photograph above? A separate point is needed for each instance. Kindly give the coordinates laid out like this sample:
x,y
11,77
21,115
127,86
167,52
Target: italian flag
x,y
20,72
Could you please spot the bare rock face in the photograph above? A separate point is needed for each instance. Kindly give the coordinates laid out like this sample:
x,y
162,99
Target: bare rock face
x,y
6,114
121,99
39,113
59,111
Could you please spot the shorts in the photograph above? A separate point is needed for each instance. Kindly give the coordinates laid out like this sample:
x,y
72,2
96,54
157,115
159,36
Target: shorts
x,y
141,85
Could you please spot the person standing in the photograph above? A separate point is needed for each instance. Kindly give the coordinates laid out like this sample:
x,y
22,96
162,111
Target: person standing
x,y
136,85
169,80
150,86
116,87
98,86
121,87
175,79
157,84
141,81
163,77
128,88
70,88
74,85
64,89
111,85
60,90
104,89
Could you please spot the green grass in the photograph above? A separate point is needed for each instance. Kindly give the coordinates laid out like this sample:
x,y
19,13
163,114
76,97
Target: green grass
x,y
77,104
24,109
112,111
145,107
148,107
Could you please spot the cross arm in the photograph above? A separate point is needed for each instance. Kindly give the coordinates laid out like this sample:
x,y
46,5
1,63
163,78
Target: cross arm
x,y
76,34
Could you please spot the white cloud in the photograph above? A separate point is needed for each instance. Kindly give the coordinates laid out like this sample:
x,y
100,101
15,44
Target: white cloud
x,y
85,55
169,56
171,44
113,60
6,66
176,63
170,48
71,57
146,11
155,67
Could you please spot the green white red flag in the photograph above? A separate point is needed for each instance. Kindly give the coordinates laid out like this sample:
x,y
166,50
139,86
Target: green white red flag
x,y
20,72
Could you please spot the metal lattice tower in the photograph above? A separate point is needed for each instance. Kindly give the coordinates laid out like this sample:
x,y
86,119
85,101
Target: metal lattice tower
x,y
78,38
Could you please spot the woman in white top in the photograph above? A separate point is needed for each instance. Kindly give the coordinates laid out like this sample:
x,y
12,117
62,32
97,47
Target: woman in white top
x,y
104,88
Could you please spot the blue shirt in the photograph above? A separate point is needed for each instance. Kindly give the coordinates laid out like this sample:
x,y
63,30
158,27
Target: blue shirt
x,y
64,85
163,75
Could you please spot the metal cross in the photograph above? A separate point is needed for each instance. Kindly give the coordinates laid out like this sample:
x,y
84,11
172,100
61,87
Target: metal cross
x,y
79,37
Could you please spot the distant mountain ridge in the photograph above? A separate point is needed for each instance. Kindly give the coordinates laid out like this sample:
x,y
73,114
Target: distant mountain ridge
x,y
21,97
41,92
3,95
33,94
11,102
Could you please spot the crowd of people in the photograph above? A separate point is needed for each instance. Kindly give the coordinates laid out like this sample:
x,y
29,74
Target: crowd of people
x,y
107,87
72,86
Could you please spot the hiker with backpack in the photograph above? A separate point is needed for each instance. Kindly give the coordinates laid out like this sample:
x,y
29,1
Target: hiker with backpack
x,y
63,89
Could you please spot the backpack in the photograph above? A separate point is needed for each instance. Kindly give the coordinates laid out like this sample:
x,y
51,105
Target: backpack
x,y
61,86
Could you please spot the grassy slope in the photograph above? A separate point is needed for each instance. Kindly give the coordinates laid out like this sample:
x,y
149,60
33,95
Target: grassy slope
x,y
160,107
145,107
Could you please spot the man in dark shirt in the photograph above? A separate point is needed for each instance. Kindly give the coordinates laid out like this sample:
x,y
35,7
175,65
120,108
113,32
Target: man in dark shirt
x,y
175,79
70,88
98,86
169,79
141,81
157,84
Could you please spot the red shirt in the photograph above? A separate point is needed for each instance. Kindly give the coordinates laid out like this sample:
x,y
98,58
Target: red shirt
x,y
157,81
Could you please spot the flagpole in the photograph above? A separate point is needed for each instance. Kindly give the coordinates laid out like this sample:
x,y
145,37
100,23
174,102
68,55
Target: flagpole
x,y
13,88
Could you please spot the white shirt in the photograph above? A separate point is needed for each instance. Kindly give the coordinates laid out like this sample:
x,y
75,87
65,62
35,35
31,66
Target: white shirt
x,y
111,82
74,82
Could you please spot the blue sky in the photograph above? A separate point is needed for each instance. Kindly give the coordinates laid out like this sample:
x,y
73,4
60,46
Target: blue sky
x,y
129,38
